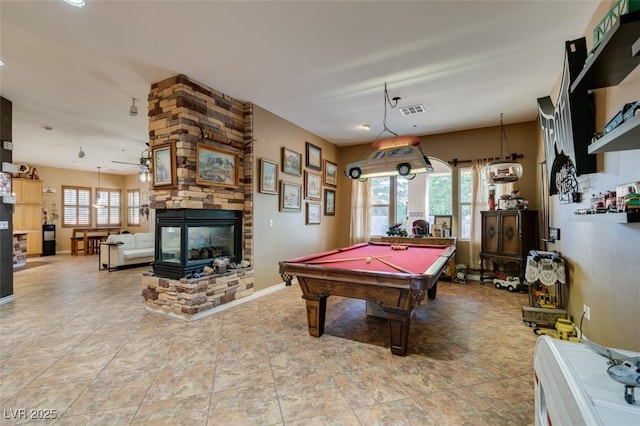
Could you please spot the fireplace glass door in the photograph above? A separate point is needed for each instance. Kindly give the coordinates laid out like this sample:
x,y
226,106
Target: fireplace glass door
x,y
188,240
170,238
209,242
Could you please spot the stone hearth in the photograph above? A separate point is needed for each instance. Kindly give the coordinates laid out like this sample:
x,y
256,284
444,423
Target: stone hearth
x,y
191,298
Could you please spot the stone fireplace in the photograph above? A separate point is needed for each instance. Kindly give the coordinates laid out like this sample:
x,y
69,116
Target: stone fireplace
x,y
214,219
188,240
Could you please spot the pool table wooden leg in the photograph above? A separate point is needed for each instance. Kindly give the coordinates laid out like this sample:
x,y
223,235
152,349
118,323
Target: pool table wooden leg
x,y
316,310
398,331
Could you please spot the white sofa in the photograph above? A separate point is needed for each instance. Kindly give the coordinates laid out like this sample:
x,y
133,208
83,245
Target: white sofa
x,y
131,249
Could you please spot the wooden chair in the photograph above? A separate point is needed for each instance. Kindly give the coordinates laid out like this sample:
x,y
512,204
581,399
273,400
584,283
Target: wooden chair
x,y
77,243
94,243
420,227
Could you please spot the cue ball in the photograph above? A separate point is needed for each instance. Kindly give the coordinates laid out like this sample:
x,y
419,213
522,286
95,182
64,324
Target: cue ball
x,y
368,259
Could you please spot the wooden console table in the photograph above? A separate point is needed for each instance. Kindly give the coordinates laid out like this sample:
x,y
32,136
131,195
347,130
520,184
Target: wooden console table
x,y
84,234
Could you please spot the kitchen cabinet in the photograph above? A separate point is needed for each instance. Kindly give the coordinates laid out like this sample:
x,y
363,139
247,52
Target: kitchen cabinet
x,y
27,216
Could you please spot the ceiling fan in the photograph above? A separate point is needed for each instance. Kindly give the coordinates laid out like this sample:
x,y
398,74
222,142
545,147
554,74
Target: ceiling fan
x,y
144,164
145,159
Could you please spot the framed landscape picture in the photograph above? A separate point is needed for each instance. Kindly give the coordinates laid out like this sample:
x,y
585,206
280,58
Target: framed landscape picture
x,y
314,157
290,197
312,186
216,167
329,202
313,214
291,162
330,173
163,163
268,176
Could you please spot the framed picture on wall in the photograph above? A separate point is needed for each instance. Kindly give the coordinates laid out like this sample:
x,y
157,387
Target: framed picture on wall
x,y
5,183
291,162
442,225
330,173
314,156
163,163
290,197
329,202
313,214
216,167
268,176
312,186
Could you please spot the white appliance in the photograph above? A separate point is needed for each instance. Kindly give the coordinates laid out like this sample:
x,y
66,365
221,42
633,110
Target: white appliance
x,y
572,387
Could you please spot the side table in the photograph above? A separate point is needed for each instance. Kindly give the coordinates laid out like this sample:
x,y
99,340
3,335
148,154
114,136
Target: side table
x,y
108,267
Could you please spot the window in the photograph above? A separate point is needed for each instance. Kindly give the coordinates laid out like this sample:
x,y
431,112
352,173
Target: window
x,y
109,215
380,205
133,207
439,190
76,206
395,199
466,196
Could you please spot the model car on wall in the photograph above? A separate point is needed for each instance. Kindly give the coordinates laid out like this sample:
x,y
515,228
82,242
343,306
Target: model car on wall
x,y
627,112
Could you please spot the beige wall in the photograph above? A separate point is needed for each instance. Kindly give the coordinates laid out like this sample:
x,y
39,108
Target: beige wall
x,y
55,178
602,258
288,237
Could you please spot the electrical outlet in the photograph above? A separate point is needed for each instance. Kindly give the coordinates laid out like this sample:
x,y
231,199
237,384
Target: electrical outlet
x,y
587,312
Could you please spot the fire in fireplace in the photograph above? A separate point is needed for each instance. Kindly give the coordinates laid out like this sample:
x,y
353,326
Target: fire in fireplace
x,y
187,240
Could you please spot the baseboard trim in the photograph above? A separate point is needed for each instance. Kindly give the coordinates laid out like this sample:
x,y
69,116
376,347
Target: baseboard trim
x,y
7,299
255,295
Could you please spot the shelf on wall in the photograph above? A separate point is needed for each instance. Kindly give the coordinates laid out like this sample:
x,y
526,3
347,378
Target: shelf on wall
x,y
613,59
608,217
625,136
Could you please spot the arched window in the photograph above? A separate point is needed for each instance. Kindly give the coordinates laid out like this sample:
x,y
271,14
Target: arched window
x,y
397,200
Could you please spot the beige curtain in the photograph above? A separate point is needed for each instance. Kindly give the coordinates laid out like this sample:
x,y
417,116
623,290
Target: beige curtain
x,y
360,206
479,202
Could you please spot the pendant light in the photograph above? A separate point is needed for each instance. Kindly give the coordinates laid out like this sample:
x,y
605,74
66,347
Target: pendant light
x,y
100,203
503,170
145,165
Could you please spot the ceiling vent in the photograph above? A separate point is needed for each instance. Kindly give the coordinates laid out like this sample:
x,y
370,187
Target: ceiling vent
x,y
411,110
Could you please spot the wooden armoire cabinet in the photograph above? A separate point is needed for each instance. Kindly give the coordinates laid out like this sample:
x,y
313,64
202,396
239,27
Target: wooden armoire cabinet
x,y
507,237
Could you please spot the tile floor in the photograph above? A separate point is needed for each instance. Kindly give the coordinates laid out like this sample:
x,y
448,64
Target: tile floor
x,y
79,341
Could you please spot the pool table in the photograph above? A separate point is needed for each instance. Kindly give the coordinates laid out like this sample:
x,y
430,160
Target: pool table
x,y
397,280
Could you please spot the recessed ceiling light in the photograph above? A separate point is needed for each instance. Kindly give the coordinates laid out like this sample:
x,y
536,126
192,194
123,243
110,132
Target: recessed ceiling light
x,y
1,62
48,128
365,127
76,3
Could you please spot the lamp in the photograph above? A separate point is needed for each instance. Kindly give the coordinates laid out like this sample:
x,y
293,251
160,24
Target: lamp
x,y
133,111
81,153
145,164
100,203
503,170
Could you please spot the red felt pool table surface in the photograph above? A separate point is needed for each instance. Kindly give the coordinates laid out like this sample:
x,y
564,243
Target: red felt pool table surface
x,y
378,257
396,280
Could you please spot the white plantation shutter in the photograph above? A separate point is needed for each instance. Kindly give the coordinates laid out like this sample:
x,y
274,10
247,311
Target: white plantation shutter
x,y
76,208
110,215
133,207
